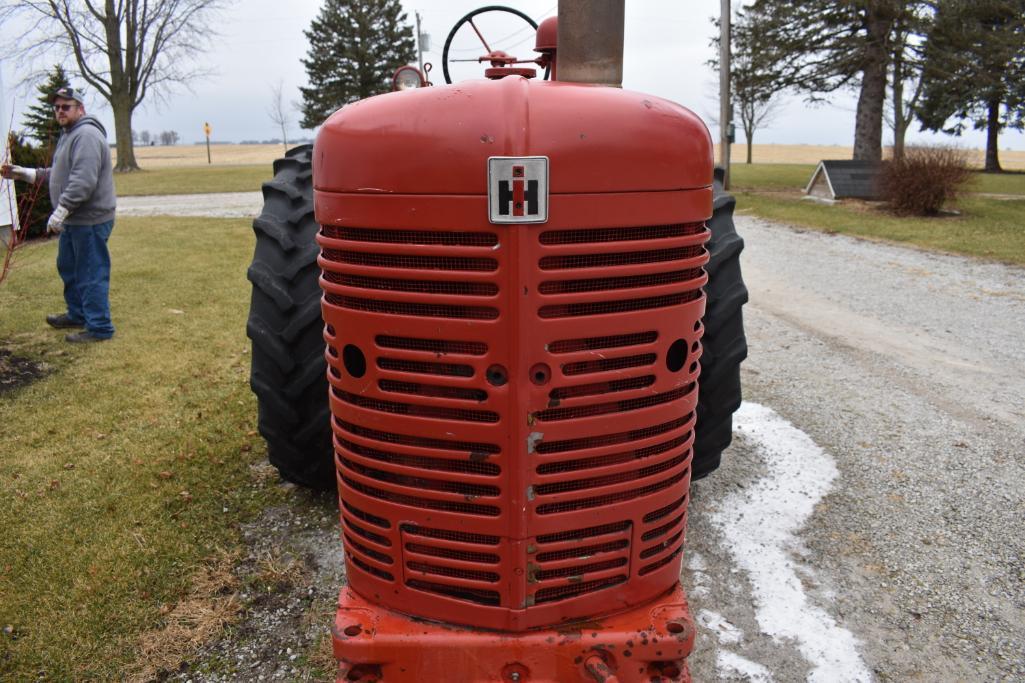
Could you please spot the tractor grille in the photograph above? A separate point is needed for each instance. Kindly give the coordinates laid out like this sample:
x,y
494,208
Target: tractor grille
x,y
440,497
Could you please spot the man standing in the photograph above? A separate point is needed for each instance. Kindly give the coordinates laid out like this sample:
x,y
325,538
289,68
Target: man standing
x,y
82,193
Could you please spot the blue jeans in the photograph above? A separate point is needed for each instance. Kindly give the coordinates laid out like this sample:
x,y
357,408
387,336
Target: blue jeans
x,y
84,265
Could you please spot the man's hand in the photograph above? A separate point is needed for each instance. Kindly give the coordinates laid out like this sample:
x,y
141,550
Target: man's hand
x,y
18,173
55,225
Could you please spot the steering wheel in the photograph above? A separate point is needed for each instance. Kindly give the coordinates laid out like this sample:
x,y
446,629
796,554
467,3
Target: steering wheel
x,y
495,57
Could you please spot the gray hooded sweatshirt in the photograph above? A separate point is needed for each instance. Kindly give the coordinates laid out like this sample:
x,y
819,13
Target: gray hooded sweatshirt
x,y
80,176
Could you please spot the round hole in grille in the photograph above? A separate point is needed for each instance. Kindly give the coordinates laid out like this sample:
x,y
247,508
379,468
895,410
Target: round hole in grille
x,y
540,374
674,627
355,361
353,630
677,355
694,366
497,375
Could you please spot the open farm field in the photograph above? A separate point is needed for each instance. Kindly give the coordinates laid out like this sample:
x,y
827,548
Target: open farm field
x,y
159,156
246,155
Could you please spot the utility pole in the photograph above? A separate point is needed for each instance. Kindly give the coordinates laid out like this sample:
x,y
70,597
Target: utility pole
x,y
419,42
725,108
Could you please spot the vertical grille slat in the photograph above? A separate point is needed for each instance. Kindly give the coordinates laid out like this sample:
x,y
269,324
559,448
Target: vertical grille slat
x,y
399,408
609,480
435,346
352,544
609,499
433,390
600,388
613,459
482,289
549,447
425,368
472,467
627,258
419,501
471,447
557,414
410,308
420,262
576,589
612,283
604,235
608,364
617,306
450,554
420,237
369,568
597,343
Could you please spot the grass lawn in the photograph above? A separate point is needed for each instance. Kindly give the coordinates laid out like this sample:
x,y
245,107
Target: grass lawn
x,y
987,227
128,467
193,180
763,177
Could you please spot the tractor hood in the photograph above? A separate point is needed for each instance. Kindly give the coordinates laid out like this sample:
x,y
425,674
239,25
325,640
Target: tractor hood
x,y
437,140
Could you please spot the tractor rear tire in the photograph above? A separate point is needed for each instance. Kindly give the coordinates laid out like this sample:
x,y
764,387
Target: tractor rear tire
x,y
288,372
724,345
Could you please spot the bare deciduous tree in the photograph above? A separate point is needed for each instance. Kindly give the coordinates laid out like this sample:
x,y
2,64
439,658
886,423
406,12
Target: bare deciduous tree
x,y
278,113
125,49
754,81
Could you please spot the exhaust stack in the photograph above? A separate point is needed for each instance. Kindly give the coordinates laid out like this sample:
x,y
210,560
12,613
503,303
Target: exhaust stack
x,y
591,41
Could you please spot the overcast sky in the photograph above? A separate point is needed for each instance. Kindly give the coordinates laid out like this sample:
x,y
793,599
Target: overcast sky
x,y
262,41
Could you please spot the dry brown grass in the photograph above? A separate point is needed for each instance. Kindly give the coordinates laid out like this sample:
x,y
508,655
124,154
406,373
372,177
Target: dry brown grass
x,y
211,604
811,154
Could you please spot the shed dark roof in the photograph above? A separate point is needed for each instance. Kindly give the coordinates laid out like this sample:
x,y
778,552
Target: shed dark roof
x,y
849,178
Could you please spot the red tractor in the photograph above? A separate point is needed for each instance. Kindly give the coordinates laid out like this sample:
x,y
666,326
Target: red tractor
x,y
519,282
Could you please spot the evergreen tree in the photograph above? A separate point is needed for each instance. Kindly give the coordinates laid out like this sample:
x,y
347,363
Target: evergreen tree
x,y
975,70
39,120
820,46
355,47
37,197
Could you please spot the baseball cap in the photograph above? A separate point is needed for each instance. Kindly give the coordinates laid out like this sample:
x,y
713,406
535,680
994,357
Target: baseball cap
x,y
68,93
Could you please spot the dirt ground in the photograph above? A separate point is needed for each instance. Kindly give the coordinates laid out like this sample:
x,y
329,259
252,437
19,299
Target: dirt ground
x,y
288,581
17,372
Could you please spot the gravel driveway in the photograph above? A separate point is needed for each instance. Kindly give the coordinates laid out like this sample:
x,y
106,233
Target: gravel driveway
x,y
220,205
867,523
907,370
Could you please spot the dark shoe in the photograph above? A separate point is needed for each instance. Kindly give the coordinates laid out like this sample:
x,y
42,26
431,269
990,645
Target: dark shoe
x,y
62,322
83,337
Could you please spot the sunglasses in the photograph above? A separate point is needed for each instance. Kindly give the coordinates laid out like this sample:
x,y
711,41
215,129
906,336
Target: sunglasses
x,y
64,107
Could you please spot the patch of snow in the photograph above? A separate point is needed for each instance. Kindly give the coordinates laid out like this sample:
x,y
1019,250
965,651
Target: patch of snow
x,y
732,663
727,633
760,526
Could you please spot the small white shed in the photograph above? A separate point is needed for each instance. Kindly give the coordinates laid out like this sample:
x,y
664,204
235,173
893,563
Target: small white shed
x,y
843,179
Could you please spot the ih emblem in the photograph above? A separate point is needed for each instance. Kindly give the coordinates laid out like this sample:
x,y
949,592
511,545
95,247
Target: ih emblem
x,y
518,189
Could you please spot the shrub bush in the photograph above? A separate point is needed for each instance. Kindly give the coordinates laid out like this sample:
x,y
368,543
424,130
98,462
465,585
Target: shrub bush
x,y
924,180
